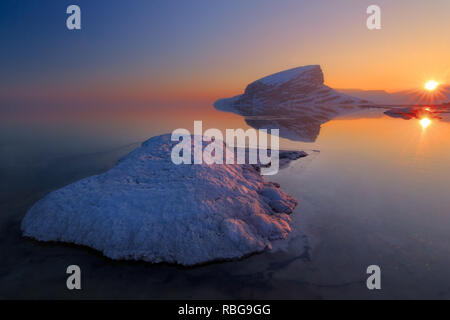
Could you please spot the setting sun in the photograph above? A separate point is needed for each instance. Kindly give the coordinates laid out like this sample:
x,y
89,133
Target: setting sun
x,y
431,85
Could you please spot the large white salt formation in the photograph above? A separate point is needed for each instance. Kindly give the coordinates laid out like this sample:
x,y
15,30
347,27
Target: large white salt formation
x,y
147,208
296,101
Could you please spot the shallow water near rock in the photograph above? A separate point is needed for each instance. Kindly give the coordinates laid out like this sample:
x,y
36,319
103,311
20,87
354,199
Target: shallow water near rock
x,y
376,193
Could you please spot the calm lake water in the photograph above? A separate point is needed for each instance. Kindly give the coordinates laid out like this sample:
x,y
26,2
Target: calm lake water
x,y
374,190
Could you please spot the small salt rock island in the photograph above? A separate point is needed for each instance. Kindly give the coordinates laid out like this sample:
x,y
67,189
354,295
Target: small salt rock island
x,y
147,208
296,101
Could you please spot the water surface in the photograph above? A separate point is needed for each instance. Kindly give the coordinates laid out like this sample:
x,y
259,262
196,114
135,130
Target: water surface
x,y
374,190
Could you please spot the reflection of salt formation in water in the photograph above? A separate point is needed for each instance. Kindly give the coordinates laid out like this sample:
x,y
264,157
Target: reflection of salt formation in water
x,y
303,128
438,112
296,101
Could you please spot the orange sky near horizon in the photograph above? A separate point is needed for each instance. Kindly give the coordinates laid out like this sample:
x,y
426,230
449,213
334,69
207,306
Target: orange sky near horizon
x,y
411,48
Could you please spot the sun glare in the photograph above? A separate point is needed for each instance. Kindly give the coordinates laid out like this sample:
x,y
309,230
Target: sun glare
x,y
431,85
425,123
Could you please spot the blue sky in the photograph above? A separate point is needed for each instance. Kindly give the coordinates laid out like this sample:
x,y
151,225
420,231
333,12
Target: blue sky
x,y
187,48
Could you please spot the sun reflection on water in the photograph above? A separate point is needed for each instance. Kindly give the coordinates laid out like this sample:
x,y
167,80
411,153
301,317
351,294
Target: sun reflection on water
x,y
425,123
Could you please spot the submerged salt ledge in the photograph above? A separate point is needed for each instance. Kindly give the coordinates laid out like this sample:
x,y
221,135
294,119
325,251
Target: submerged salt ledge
x,y
147,208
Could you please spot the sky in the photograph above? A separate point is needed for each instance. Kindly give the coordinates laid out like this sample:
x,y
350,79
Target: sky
x,y
144,51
